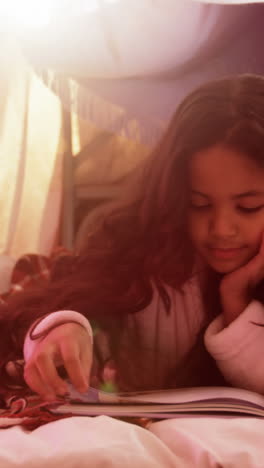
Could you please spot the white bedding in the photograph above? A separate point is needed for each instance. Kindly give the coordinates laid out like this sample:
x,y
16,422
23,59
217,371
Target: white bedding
x,y
102,442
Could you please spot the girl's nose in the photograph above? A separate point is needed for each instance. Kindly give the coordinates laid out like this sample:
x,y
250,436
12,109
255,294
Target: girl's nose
x,y
222,225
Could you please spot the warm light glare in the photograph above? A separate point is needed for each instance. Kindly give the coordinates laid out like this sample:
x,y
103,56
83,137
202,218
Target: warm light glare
x,y
38,13
91,5
32,13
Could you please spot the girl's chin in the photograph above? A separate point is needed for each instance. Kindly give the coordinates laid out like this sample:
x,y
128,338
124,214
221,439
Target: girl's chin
x,y
226,267
224,270
226,262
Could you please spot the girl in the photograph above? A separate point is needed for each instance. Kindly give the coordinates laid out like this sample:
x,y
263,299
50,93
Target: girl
x,y
173,278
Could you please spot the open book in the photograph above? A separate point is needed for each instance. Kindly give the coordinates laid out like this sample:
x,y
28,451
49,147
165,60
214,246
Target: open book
x,y
163,404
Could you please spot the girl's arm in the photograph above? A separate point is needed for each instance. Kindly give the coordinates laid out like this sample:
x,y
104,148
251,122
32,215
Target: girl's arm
x,y
239,347
234,339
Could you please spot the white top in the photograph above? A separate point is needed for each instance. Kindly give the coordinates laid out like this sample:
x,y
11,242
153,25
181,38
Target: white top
x,y
167,338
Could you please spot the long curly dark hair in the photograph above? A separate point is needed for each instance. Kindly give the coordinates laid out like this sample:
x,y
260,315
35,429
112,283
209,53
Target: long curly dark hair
x,y
143,241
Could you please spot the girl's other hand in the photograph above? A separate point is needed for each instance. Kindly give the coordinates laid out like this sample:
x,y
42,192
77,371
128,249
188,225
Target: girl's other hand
x,y
236,288
68,345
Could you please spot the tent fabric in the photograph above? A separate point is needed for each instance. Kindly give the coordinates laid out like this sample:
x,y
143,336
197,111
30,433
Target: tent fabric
x,y
31,150
128,38
126,94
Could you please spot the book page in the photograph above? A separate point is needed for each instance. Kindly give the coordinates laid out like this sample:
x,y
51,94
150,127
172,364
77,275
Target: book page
x,y
182,395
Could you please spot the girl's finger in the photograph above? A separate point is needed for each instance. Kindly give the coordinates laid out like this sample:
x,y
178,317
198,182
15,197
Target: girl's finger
x,y
74,367
261,250
49,374
258,261
255,268
34,380
86,362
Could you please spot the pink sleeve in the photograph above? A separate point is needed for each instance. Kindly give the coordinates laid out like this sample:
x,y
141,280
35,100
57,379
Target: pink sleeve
x,y
239,348
49,321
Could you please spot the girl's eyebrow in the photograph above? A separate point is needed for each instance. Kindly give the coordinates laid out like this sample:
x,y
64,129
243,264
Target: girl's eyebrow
x,y
250,193
195,192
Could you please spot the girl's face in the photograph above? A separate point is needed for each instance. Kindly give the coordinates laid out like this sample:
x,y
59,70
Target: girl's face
x,y
226,213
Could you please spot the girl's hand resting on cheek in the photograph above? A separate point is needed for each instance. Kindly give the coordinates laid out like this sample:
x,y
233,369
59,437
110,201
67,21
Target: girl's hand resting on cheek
x,y
67,345
236,288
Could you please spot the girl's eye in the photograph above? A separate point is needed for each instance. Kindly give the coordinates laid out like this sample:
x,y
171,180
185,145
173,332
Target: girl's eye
x,y
252,209
200,207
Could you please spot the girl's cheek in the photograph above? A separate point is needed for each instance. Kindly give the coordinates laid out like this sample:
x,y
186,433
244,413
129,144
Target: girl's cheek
x,y
198,227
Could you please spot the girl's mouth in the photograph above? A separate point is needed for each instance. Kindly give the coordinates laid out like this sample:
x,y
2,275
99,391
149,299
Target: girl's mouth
x,y
225,254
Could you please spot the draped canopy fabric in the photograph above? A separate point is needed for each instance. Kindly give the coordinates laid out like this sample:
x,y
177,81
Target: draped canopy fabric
x,y
31,148
129,64
128,38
